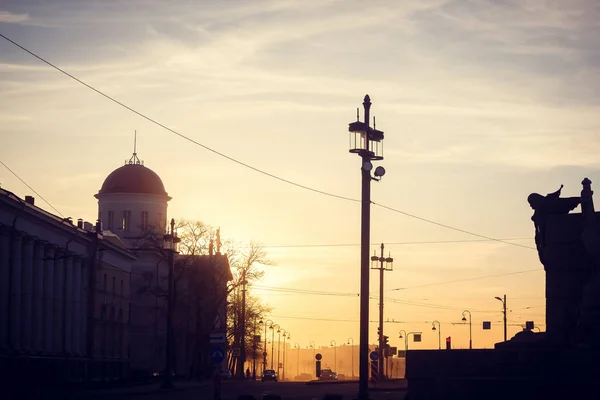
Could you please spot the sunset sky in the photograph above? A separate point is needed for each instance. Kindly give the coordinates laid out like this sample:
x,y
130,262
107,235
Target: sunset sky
x,y
482,103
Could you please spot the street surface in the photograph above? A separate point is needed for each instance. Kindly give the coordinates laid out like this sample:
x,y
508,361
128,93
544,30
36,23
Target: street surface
x,y
231,390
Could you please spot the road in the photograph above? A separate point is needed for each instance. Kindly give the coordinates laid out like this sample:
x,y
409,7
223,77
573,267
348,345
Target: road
x,y
231,390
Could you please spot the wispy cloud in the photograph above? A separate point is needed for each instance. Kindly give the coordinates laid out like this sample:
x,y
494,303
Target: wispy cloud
x,y
11,18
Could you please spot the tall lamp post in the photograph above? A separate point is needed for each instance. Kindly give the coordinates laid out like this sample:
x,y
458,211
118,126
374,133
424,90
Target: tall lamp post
x,y
351,343
273,342
279,349
170,241
366,142
333,344
267,325
382,264
284,351
254,348
297,347
314,347
405,339
439,329
464,319
504,312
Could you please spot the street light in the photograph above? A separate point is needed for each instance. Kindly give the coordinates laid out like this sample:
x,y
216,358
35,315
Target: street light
x,y
439,329
284,351
314,347
470,327
279,348
350,340
382,264
267,325
170,241
504,312
273,341
366,142
254,347
405,339
297,347
332,343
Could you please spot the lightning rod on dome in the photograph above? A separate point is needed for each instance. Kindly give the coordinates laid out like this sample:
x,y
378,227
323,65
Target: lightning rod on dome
x,y
134,158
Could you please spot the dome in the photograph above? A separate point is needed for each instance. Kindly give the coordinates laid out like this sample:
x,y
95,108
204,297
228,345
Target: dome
x,y
133,178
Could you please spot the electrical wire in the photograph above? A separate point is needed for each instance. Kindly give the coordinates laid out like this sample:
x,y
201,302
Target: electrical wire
x,y
393,243
30,188
144,116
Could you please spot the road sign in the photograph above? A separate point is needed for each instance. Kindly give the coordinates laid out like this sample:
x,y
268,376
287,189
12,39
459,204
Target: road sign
x,y
235,352
417,337
374,370
373,356
217,354
487,324
393,351
217,323
218,337
318,356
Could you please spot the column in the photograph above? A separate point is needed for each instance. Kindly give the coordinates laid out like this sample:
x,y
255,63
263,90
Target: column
x,y
37,323
76,311
26,293
48,298
59,288
68,304
83,338
15,291
4,286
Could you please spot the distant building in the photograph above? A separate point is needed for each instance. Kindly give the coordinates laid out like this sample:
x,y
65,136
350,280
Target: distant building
x,y
46,319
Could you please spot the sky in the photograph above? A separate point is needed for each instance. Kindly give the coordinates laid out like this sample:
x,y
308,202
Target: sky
x,y
482,103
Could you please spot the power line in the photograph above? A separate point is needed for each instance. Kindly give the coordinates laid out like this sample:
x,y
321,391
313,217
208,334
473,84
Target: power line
x,y
448,226
304,291
394,243
140,114
30,188
467,279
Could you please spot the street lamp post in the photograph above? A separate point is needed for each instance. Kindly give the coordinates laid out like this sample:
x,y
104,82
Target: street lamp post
x,y
470,327
333,344
297,347
279,349
504,312
366,142
284,351
273,342
351,343
405,339
439,329
314,347
267,325
170,241
254,348
382,264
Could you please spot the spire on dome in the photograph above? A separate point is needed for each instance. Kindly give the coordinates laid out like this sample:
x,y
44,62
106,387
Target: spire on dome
x,y
134,158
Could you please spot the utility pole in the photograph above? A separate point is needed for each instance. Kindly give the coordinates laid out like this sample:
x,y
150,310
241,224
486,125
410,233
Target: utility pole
x,y
504,312
242,358
378,263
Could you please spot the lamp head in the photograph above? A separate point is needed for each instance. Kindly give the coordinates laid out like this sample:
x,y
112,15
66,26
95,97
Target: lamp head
x,y
379,171
464,319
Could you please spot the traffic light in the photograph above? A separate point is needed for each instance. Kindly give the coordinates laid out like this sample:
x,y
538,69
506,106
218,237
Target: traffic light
x,y
378,332
385,339
448,343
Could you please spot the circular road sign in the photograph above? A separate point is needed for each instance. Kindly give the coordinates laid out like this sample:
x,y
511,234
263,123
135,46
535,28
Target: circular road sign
x,y
318,356
374,356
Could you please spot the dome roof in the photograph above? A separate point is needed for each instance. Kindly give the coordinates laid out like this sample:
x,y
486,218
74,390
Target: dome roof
x,y
133,178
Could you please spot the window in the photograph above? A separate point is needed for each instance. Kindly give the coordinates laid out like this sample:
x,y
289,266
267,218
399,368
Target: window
x,y
160,222
121,287
104,286
114,285
126,220
111,220
144,220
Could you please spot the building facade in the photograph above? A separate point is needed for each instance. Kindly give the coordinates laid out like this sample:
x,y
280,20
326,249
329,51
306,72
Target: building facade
x,y
46,264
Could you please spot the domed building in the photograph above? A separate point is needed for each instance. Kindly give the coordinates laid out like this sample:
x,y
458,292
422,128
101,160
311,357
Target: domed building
x,y
133,201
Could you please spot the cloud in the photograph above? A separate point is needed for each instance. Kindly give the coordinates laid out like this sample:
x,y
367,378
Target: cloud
x,y
11,18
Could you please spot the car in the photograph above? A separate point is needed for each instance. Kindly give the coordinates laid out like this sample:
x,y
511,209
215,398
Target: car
x,y
269,375
328,375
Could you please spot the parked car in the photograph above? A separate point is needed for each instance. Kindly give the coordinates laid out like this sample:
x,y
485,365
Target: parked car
x,y
269,375
328,375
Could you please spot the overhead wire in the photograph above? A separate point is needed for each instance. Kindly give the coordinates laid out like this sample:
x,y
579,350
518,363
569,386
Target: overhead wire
x,y
144,116
30,188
